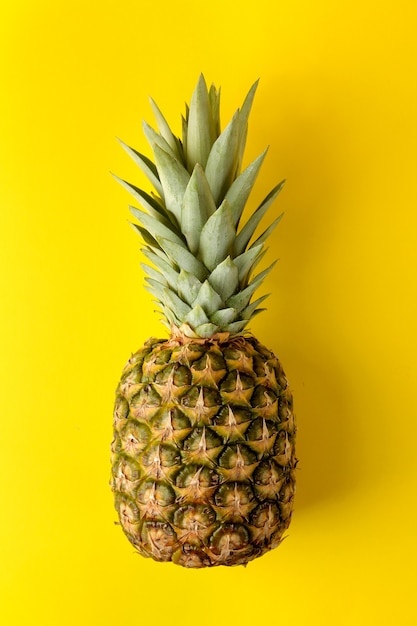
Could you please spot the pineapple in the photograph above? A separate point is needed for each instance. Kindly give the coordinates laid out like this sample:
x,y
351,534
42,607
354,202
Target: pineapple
x,y
203,458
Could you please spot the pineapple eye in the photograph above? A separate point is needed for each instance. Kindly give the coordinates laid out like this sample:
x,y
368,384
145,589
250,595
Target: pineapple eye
x,y
236,381
202,439
231,539
236,455
261,429
268,472
230,495
263,396
197,476
204,395
178,374
196,518
135,436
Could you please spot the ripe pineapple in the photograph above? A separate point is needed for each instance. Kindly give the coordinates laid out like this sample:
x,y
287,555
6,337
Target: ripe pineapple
x,y
203,462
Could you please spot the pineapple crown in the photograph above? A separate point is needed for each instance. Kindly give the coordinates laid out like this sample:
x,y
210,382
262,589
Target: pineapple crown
x,y
202,258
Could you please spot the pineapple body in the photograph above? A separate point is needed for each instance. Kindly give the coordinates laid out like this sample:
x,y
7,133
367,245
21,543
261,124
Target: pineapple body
x,y
203,451
203,460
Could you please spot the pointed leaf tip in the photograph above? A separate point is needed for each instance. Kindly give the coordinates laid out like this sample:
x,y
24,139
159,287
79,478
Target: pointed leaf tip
x,y
200,126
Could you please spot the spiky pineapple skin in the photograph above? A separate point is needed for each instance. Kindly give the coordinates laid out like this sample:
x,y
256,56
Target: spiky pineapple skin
x,y
203,455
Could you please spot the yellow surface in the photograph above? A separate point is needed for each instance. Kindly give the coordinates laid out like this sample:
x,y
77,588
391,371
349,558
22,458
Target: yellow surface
x,y
337,104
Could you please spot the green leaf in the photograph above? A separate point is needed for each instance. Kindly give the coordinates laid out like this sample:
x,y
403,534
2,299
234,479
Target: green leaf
x,y
214,98
174,303
247,104
174,178
221,164
171,317
146,165
183,258
256,312
188,286
165,130
206,330
162,265
165,311
243,122
159,253
260,277
155,139
241,300
208,298
250,310
155,228
225,278
184,134
148,202
241,187
196,317
245,261
154,274
201,132
237,327
155,287
223,317
249,228
198,205
168,322
266,234
146,236
217,237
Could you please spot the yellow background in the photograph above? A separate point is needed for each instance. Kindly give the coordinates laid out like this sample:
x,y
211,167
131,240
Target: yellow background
x,y
337,105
